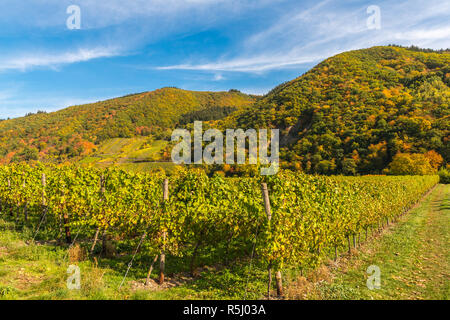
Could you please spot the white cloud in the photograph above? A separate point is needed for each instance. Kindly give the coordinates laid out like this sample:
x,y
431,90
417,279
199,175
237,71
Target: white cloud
x,y
256,91
428,34
218,77
133,25
14,104
328,27
253,64
5,95
100,14
296,37
54,60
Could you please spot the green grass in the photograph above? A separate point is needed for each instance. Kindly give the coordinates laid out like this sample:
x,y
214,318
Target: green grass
x,y
413,257
39,271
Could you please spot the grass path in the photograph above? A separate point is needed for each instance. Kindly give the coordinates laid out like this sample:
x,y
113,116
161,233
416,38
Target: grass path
x,y
413,257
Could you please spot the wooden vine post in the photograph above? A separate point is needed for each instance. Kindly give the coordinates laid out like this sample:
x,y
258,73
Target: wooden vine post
x,y
44,201
335,253
279,282
102,190
162,258
9,191
66,224
147,281
67,228
25,207
44,183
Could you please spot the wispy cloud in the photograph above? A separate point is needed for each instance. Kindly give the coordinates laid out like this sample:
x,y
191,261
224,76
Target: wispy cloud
x,y
101,14
54,60
425,34
14,104
209,44
133,25
312,33
219,77
254,64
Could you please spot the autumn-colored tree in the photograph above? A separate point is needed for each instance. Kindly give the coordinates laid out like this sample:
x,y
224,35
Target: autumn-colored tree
x,y
435,159
410,164
298,166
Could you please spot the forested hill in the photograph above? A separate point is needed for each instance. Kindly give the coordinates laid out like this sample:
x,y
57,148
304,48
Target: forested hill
x,y
353,112
76,131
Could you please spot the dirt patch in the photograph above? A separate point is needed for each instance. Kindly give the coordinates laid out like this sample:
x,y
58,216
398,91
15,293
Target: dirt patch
x,y
23,280
175,281
321,274
3,251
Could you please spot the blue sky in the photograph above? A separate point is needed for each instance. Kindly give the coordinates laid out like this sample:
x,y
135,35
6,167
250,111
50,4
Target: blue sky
x,y
140,45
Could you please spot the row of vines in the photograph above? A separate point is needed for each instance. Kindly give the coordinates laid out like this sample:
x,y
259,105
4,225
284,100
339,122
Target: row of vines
x,y
304,220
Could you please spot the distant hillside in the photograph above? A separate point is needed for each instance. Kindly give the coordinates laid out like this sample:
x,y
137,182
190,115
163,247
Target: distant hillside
x,y
353,112
79,130
350,114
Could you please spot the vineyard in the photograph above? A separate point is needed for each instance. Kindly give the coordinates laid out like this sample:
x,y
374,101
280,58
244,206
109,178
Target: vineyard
x,y
280,221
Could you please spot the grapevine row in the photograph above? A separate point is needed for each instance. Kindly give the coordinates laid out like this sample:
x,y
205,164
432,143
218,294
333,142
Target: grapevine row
x,y
311,216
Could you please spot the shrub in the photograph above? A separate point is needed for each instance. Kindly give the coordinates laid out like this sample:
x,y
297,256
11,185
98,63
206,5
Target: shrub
x,y
77,253
444,176
410,164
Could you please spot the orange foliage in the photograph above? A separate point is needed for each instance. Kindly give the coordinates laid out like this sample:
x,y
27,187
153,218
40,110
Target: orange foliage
x,y
435,159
